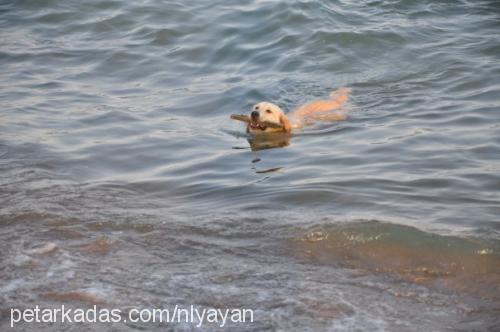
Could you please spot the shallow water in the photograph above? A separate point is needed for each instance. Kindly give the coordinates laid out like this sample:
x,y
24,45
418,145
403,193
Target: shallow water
x,y
116,147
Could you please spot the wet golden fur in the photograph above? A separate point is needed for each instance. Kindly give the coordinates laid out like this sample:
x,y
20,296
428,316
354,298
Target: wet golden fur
x,y
320,110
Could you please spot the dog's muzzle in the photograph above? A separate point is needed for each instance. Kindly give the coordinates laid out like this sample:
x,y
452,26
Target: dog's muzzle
x,y
254,124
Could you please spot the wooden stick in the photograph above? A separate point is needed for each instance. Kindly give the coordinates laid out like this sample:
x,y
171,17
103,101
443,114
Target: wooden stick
x,y
246,118
241,117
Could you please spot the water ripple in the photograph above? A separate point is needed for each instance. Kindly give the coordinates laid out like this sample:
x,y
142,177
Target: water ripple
x,y
117,150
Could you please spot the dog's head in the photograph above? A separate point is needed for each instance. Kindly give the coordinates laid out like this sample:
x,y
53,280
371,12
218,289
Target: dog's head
x,y
267,112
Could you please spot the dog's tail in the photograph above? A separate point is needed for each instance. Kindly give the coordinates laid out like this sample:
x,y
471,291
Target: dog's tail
x,y
341,95
316,110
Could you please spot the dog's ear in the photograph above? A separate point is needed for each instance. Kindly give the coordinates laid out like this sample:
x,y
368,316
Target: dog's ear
x,y
287,127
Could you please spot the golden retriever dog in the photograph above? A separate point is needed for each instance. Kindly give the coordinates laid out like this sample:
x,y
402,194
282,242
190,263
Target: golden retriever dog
x,y
277,122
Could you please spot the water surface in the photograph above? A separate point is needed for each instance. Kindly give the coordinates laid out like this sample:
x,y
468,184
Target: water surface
x,y
116,146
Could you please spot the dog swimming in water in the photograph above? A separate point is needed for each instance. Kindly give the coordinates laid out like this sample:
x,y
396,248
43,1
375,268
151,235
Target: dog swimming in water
x,y
269,127
268,118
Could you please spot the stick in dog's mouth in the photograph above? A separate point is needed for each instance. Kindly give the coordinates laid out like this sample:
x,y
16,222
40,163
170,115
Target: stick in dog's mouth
x,y
260,125
257,126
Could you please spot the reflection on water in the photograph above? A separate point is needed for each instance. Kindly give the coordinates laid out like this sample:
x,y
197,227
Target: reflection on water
x,y
269,141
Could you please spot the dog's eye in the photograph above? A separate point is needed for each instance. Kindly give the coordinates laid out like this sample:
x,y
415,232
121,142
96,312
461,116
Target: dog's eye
x,y
256,107
268,111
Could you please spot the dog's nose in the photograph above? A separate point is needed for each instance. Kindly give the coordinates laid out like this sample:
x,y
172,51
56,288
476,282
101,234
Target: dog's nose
x,y
255,115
